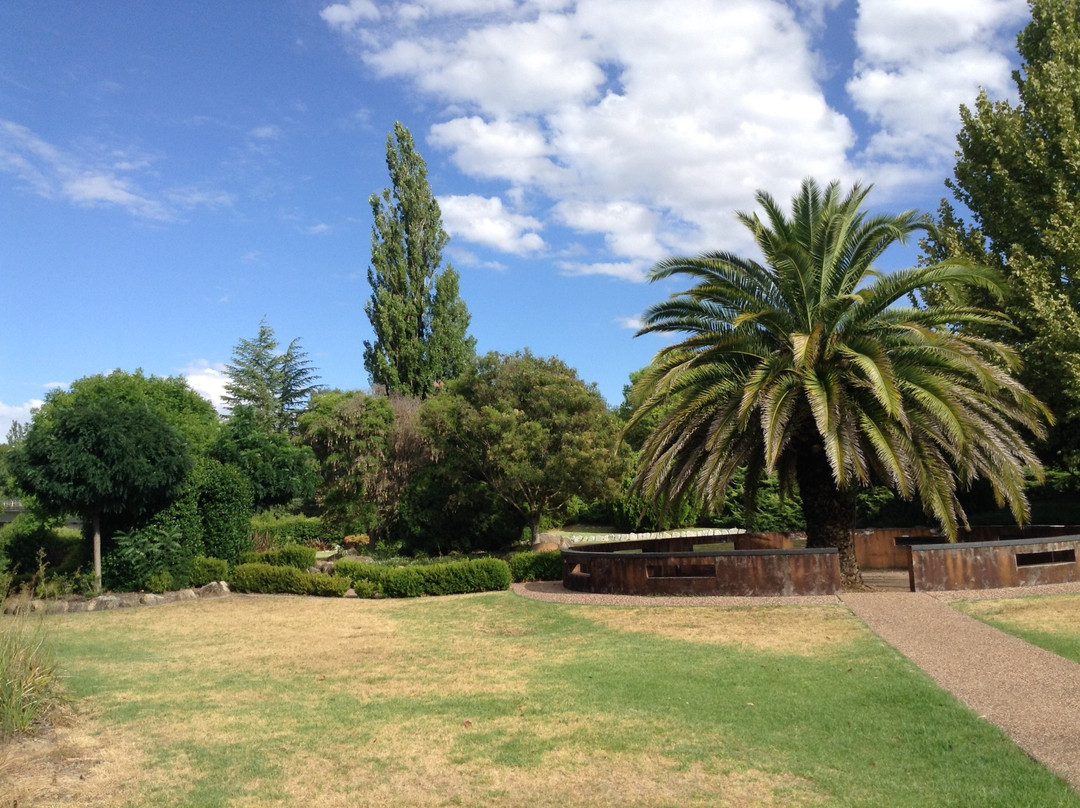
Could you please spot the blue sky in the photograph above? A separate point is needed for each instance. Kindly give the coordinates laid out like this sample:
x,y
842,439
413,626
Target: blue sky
x,y
171,173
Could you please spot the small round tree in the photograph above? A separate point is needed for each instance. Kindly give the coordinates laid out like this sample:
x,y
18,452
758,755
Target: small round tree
x,y
100,458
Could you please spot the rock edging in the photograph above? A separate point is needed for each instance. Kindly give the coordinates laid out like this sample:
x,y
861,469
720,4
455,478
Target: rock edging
x,y
115,600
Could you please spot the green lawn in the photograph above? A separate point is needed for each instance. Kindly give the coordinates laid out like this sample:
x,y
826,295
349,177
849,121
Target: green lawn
x,y
493,700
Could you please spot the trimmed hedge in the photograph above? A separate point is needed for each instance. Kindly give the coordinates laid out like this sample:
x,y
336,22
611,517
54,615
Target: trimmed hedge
x,y
268,579
530,566
207,570
448,578
291,555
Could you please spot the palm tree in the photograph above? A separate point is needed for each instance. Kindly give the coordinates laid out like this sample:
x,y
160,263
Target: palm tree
x,y
816,367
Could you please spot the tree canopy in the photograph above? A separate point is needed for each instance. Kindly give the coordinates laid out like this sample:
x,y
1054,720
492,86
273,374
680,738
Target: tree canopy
x,y
419,318
529,429
808,366
1018,173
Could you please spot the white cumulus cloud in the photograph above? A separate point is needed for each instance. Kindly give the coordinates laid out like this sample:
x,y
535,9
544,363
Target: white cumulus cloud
x,y
648,122
486,221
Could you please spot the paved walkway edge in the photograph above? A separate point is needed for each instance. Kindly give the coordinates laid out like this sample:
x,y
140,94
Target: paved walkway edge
x,y
1031,694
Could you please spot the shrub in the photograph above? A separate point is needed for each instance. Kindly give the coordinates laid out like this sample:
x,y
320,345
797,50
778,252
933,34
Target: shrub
x,y
268,579
446,578
365,589
225,508
137,556
207,570
529,566
326,586
21,539
290,555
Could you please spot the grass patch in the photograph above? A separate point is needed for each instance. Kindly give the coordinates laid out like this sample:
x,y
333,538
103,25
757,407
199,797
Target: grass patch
x,y
493,699
1051,622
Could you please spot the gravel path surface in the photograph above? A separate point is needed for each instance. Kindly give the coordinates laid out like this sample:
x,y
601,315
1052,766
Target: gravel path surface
x,y
1032,694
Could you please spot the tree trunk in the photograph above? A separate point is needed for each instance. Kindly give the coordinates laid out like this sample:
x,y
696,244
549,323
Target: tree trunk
x,y
97,553
829,512
534,526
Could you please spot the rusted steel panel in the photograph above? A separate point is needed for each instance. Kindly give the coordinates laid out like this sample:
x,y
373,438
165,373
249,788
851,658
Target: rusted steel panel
x,y
884,548
762,541
990,565
754,572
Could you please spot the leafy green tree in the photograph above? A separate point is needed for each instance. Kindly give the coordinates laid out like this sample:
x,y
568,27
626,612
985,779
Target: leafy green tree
x,y
419,318
530,430
1018,172
350,435
100,458
276,386
806,366
277,469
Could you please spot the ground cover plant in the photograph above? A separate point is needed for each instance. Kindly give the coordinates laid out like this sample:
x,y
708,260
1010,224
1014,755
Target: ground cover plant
x,y
1051,622
493,699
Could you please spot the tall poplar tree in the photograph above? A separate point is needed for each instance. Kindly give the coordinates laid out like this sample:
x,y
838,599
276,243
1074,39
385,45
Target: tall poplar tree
x,y
1018,172
419,318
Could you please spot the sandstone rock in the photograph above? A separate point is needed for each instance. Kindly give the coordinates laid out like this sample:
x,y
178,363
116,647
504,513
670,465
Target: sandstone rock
x,y
186,594
349,593
103,603
56,607
215,589
150,599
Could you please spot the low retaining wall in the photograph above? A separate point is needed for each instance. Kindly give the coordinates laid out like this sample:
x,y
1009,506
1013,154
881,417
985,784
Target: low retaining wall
x,y
994,564
615,568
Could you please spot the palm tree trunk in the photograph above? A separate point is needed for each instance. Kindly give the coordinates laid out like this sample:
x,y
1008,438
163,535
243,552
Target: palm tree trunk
x,y
829,512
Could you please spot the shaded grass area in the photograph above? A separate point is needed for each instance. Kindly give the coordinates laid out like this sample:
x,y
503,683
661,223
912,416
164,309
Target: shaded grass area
x,y
1051,622
494,699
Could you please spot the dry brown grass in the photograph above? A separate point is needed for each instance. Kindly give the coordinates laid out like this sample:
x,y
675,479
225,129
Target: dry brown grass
x,y
1053,615
803,630
76,761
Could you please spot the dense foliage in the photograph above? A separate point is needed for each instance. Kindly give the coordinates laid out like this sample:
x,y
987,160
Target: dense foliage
x,y
1018,172
277,469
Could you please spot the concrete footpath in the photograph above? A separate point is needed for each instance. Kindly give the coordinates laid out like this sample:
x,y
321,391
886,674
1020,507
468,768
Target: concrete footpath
x,y
1032,694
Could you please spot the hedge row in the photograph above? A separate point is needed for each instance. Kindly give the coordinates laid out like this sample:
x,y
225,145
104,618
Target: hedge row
x,y
290,555
448,578
530,566
268,579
